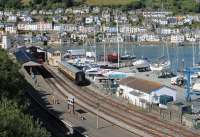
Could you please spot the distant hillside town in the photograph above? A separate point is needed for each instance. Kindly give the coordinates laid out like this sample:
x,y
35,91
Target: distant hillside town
x,y
78,24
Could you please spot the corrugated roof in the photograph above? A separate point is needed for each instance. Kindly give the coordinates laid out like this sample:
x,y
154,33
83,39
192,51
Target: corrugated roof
x,y
51,50
31,63
69,66
140,84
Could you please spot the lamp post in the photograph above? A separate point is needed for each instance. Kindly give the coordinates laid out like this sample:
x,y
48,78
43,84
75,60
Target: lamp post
x,y
98,105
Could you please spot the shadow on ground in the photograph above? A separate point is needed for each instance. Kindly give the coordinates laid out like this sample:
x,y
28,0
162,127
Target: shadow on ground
x,y
48,116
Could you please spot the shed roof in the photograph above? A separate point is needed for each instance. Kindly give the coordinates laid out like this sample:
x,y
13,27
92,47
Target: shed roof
x,y
51,50
31,63
69,66
140,84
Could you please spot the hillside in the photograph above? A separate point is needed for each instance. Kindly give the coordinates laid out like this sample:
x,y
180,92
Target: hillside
x,y
25,2
173,5
177,6
110,2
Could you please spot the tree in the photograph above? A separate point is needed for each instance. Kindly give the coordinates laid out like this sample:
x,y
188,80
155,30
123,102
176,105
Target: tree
x,y
13,123
10,4
11,82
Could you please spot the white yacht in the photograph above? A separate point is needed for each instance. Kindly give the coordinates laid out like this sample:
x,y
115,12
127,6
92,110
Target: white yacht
x,y
141,65
160,66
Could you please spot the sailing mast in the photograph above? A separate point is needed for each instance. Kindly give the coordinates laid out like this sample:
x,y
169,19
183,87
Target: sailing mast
x,y
199,50
104,50
193,54
117,40
95,44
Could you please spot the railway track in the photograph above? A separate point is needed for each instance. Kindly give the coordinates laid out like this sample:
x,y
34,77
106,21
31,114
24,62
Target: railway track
x,y
154,120
52,82
140,121
109,111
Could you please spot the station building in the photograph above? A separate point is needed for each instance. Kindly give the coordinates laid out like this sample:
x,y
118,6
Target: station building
x,y
140,92
53,56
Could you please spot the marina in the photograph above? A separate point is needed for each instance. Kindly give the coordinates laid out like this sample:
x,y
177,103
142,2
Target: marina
x,y
177,54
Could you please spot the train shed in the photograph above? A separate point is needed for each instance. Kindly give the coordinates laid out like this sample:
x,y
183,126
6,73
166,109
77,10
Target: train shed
x,y
34,68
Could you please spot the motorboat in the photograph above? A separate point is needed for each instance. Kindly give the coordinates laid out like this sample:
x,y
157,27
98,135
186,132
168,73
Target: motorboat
x,y
128,57
141,65
160,66
113,57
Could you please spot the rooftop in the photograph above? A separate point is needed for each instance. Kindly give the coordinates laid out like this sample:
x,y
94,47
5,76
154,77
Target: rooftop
x,y
140,84
69,66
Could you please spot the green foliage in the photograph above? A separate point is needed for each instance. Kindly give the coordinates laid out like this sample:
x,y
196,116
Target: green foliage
x,y
177,6
11,82
52,4
13,122
12,4
110,2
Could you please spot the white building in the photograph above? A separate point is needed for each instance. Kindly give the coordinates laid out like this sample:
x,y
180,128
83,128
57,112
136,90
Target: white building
x,y
11,29
27,27
89,20
189,37
53,56
43,26
148,38
140,92
177,38
6,42
127,29
12,18
168,31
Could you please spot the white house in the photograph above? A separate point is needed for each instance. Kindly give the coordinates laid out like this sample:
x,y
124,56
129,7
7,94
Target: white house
x,y
27,27
140,92
43,26
177,38
11,29
34,12
189,37
127,29
163,22
70,27
148,38
12,18
95,9
89,20
6,42
27,19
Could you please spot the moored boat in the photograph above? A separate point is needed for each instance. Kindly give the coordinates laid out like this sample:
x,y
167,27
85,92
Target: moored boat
x,y
160,66
141,65
112,57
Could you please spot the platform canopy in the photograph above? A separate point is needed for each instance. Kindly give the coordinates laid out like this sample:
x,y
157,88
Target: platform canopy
x,y
31,63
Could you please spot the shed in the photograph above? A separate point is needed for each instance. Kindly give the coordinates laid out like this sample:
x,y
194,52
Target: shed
x,y
145,91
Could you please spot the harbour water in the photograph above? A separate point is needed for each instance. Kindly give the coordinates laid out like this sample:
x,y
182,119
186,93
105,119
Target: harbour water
x,y
180,56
